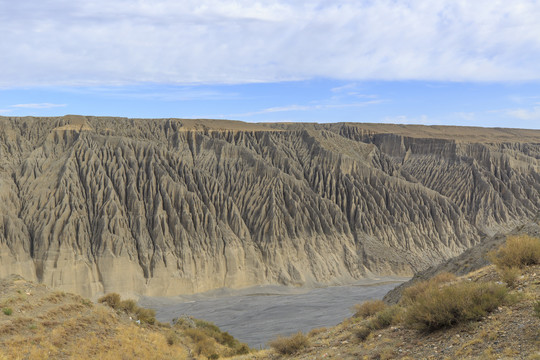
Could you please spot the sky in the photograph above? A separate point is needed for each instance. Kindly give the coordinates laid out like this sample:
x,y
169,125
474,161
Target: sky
x,y
451,62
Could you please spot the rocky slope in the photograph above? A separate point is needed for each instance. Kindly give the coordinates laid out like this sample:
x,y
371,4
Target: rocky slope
x,y
162,207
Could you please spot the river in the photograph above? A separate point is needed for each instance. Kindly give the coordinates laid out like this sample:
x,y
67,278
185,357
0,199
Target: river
x,y
258,314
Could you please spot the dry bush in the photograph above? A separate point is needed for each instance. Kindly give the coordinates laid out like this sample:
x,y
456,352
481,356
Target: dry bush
x,y
412,292
442,307
388,316
56,297
147,316
509,275
519,251
289,345
206,347
368,308
195,334
111,299
362,333
129,306
316,331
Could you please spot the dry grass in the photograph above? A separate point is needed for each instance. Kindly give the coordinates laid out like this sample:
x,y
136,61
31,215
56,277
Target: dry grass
x,y
411,293
56,325
289,345
519,251
368,308
362,332
388,316
436,307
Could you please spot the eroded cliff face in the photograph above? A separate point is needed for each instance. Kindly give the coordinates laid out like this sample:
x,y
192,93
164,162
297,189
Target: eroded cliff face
x,y
163,207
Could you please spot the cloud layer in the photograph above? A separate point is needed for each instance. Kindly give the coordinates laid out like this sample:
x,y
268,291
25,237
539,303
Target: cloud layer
x,y
107,42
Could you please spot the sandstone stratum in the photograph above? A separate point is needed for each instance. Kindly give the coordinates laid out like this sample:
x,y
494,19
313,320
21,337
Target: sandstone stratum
x,y
167,206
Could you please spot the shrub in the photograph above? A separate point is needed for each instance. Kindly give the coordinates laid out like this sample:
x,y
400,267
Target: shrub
x,y
242,349
509,275
7,311
317,331
385,318
368,308
412,292
519,251
147,316
289,345
442,307
129,306
362,332
172,337
111,299
206,347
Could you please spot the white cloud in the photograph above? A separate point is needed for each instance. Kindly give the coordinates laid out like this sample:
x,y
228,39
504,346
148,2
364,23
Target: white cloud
x,y
305,108
38,106
403,119
525,114
104,42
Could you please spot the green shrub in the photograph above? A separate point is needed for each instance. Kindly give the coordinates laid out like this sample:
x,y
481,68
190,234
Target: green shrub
x,y
7,311
362,332
111,299
368,308
442,307
289,345
519,251
383,319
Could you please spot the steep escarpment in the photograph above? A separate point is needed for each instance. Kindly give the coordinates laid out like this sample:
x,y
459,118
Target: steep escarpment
x,y
163,207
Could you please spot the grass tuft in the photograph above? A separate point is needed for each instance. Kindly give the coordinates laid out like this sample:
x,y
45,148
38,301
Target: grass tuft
x,y
7,311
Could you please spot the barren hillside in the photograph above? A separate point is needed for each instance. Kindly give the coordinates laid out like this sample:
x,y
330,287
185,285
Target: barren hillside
x,y
162,207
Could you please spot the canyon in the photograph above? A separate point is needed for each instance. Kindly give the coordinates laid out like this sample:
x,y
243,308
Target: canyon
x,y
161,207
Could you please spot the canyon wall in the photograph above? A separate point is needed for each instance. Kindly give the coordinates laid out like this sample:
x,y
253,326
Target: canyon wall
x,y
171,206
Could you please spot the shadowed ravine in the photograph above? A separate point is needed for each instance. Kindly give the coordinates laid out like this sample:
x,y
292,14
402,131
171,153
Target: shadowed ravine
x,y
167,207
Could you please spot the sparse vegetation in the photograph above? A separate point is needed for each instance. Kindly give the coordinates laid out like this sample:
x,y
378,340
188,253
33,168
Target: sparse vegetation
x,y
388,316
411,293
368,308
111,300
289,345
207,336
7,311
436,307
362,332
519,251
509,275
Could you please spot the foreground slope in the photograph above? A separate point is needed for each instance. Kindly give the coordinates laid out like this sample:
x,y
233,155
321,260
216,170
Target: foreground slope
x,y
162,207
37,323
492,312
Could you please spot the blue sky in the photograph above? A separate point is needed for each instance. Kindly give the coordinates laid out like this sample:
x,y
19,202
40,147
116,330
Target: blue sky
x,y
424,62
